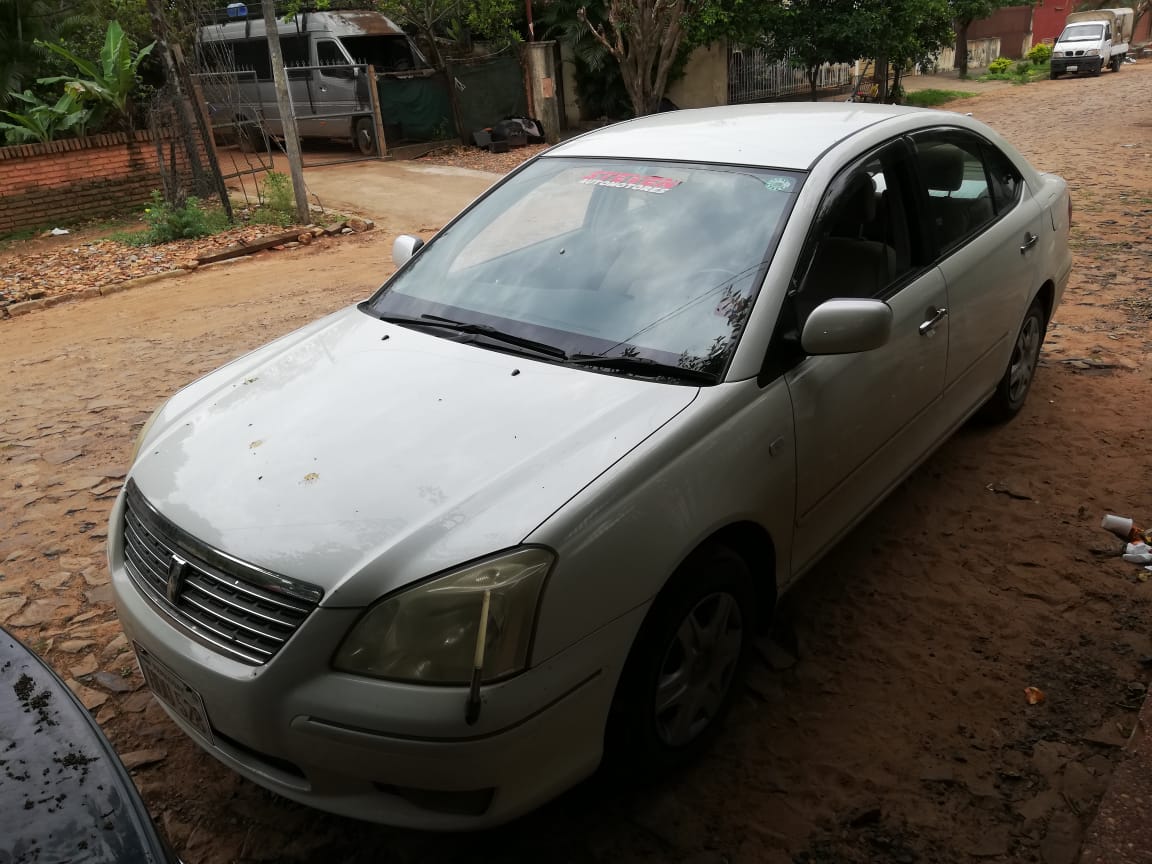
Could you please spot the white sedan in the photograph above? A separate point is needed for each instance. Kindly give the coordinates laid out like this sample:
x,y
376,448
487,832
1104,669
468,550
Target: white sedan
x,y
429,560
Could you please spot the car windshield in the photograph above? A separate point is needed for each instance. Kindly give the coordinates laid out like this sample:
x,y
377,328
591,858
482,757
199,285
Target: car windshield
x,y
1082,33
625,259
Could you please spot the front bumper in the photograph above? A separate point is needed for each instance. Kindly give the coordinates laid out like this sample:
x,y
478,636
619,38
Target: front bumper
x,y
384,751
1090,65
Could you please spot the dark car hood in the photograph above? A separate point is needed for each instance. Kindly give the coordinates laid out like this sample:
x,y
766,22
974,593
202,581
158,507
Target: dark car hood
x,y
64,795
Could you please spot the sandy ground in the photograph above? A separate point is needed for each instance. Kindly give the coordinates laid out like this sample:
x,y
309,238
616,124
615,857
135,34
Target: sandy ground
x,y
898,732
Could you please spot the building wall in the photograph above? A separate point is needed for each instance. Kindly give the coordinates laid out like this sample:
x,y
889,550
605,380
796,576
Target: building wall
x,y
1048,18
64,181
1012,25
981,52
705,80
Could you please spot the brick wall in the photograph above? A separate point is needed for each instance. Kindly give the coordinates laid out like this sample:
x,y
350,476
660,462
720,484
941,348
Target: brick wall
x,y
63,182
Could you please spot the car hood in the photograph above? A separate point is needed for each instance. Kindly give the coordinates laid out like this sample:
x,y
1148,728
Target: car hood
x,y
359,456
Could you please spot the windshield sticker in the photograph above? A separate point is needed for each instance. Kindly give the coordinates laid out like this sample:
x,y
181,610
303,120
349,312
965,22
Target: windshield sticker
x,y
637,182
779,184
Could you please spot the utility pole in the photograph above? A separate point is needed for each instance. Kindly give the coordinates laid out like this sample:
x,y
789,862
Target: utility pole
x,y
287,119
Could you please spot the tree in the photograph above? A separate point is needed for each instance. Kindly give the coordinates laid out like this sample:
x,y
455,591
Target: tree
x,y
599,85
22,22
964,12
644,37
110,82
44,121
902,34
433,19
810,33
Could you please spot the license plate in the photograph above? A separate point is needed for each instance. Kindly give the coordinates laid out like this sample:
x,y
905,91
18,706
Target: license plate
x,y
1073,68
167,686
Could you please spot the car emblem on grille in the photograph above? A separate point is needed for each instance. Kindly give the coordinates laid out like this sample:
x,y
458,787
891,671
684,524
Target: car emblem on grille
x,y
176,569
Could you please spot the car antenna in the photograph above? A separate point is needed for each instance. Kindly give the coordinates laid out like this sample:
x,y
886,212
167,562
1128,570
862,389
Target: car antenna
x,y
472,710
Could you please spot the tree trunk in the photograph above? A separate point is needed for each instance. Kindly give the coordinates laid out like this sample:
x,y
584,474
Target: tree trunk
x,y
961,62
882,78
811,73
287,118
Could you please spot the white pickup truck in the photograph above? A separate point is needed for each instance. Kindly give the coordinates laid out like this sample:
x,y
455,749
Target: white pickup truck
x,y
1092,41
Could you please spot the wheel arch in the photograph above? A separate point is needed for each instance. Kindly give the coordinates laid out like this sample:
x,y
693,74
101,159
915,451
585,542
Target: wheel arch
x,y
754,544
1047,298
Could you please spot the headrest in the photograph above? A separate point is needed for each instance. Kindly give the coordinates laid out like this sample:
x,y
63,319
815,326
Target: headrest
x,y
942,166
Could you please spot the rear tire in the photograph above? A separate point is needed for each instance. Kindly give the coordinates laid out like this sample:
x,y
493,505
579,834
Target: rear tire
x,y
685,666
1017,380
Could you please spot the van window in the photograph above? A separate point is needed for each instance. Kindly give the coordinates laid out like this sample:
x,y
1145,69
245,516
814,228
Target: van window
x,y
386,53
328,54
252,56
295,51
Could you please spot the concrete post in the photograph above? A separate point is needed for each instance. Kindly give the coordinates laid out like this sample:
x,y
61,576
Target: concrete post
x,y
540,62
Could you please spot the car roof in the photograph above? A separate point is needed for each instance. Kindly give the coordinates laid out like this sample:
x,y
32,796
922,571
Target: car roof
x,y
788,135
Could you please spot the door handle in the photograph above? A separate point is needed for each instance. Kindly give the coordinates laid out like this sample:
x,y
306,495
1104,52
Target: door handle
x,y
929,326
1029,241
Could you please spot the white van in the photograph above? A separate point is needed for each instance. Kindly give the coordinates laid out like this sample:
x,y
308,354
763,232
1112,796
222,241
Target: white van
x,y
324,53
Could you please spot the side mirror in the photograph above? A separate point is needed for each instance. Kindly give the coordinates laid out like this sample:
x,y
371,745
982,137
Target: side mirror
x,y
847,327
404,247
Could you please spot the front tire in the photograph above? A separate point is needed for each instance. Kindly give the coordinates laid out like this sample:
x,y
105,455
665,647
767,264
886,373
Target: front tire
x,y
1013,388
686,665
364,137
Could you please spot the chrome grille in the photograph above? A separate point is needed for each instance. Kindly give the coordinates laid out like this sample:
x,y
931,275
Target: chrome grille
x,y
233,607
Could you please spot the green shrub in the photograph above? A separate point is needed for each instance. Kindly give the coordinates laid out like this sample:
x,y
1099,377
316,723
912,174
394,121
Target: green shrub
x,y
167,223
1040,53
1000,65
278,193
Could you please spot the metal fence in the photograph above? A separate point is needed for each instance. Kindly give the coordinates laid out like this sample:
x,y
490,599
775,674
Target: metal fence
x,y
753,77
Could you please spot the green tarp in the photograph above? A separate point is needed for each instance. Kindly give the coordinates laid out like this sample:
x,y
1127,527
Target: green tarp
x,y
416,106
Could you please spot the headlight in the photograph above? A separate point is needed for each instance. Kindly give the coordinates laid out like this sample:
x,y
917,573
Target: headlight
x,y
427,634
1057,53
144,430
1091,52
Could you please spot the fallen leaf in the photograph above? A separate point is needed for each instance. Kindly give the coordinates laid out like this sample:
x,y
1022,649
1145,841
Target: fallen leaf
x,y
1034,695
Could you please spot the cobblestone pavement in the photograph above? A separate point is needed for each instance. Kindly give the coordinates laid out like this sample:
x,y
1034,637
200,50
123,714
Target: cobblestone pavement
x,y
899,734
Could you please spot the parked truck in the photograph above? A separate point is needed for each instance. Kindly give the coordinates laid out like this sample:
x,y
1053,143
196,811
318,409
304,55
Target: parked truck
x,y
1092,41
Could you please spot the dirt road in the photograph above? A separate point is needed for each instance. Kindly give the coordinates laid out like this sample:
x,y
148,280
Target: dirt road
x,y
901,732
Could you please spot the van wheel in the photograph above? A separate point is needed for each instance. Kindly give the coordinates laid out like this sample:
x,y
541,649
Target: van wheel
x,y
686,665
1013,388
364,137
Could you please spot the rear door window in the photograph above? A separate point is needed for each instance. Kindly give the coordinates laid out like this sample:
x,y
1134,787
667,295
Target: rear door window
x,y
954,180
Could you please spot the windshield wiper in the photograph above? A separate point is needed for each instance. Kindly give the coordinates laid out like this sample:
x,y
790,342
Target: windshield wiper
x,y
478,330
643,366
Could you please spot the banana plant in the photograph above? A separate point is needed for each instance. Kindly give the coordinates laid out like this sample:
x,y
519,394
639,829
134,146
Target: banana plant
x,y
112,81
44,121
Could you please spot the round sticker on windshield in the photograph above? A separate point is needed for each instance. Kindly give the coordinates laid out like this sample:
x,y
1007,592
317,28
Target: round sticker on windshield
x,y
779,184
626,180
